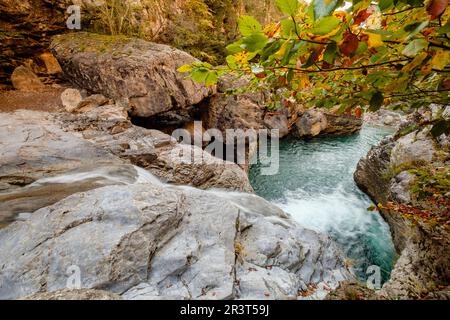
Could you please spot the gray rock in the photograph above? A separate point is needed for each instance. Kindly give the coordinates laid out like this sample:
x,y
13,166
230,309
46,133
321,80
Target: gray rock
x,y
278,121
400,186
311,124
33,145
167,242
422,269
342,124
415,148
71,98
385,117
75,294
92,102
142,73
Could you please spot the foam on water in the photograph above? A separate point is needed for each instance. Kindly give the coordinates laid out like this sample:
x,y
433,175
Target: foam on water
x,y
315,185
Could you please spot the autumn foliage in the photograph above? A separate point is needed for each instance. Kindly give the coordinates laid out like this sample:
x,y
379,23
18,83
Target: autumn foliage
x,y
360,54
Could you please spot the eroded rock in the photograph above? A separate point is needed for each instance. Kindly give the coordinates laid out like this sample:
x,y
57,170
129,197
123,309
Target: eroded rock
x,y
25,80
168,242
71,98
422,270
142,73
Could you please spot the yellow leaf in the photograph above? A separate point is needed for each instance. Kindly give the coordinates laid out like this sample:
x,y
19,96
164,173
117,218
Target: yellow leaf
x,y
374,40
242,57
272,29
283,49
303,80
440,59
415,62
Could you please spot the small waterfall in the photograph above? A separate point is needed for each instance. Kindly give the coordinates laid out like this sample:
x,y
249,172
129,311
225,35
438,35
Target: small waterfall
x,y
315,185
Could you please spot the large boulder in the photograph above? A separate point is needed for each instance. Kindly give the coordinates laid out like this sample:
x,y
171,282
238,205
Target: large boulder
x,y
231,109
416,147
315,122
148,240
141,73
311,124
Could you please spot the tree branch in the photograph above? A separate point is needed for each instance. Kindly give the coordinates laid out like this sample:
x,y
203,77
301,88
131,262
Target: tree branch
x,y
344,68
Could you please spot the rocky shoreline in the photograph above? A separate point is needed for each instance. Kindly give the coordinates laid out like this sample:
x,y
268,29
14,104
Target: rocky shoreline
x,y
84,187
69,177
388,175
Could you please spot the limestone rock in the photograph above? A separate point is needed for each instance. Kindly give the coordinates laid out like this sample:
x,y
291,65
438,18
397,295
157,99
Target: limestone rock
x,y
400,186
278,121
31,141
92,102
311,124
25,80
148,240
243,111
50,63
416,147
342,124
142,73
33,145
385,117
75,294
422,270
71,98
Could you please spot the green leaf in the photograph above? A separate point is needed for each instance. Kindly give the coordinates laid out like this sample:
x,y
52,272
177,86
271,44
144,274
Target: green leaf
x,y
414,47
415,3
289,7
287,28
270,50
325,25
248,25
385,4
231,61
255,42
376,101
200,75
235,47
441,127
445,28
323,8
330,53
211,79
185,68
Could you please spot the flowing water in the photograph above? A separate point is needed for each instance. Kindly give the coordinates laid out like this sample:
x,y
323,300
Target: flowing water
x,y
315,185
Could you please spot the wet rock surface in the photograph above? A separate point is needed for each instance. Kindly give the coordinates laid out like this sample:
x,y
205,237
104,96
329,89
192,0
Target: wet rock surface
x,y
168,242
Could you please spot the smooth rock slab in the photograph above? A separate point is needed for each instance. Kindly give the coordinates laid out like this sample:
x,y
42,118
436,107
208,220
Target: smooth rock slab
x,y
149,240
142,73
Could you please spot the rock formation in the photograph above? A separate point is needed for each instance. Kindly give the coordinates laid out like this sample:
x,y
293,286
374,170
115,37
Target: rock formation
x,y
143,239
142,74
388,174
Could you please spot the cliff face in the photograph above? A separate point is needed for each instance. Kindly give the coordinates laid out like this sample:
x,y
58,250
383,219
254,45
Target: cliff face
x,y
25,29
419,224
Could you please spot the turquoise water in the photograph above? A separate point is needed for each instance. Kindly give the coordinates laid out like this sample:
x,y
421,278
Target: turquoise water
x,y
315,185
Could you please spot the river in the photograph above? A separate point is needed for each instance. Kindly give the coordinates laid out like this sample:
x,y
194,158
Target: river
x,y
315,185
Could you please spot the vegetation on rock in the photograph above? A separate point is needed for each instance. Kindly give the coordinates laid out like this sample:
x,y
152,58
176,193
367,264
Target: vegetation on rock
x,y
373,53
